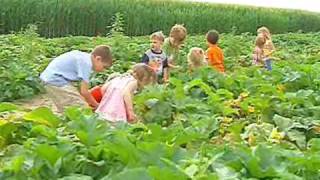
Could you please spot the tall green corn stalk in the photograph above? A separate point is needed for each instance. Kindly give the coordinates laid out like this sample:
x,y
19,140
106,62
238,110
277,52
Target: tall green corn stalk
x,y
90,17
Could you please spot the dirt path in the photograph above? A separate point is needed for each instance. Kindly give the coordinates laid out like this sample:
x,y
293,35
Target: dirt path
x,y
37,101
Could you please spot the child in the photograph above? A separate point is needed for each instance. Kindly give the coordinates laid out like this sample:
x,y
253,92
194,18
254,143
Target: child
x,y
196,58
156,58
268,46
116,104
258,51
172,44
214,53
70,67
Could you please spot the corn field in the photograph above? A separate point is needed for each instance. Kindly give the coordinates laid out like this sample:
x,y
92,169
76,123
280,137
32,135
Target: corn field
x,y
56,18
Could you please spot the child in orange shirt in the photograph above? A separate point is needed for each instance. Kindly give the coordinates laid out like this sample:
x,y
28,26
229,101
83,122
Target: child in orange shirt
x,y
215,55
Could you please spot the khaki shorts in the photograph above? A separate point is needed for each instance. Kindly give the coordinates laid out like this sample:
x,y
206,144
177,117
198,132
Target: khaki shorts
x,y
65,96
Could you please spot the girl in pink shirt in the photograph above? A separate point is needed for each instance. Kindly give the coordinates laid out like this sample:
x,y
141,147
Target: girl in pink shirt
x,y
258,51
116,103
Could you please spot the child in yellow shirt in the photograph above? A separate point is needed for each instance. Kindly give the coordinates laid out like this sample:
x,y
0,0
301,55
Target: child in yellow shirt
x,y
268,48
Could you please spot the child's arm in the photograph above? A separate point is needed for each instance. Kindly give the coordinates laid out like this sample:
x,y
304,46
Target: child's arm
x,y
84,91
127,96
272,46
145,59
173,66
260,57
170,63
222,57
257,56
206,58
165,74
210,57
166,66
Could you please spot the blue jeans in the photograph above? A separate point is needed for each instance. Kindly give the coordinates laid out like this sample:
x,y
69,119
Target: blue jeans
x,y
268,64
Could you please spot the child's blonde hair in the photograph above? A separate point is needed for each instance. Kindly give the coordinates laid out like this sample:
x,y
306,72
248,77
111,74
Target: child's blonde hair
x,y
260,41
178,32
195,58
104,52
158,35
144,74
265,31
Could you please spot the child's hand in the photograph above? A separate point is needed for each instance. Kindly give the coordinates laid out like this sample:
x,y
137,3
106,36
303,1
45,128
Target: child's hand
x,y
170,59
165,80
131,117
173,66
94,107
268,52
178,67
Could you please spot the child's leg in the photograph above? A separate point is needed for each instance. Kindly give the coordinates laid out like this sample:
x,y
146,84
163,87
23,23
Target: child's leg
x,y
268,64
65,96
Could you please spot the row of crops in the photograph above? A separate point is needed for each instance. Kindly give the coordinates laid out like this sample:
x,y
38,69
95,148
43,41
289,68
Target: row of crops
x,y
56,18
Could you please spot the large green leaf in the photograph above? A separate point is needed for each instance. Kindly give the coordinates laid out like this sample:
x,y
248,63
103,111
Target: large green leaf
x,y
314,145
265,162
299,137
132,174
159,173
44,116
225,172
44,131
76,177
123,149
87,127
7,130
49,153
7,107
282,122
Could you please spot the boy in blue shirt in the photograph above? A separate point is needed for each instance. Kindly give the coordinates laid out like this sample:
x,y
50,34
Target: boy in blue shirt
x,y
70,67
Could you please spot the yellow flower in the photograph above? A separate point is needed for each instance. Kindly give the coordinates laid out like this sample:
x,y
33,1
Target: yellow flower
x,y
2,122
228,103
227,120
244,94
236,102
281,87
251,109
276,135
252,139
316,129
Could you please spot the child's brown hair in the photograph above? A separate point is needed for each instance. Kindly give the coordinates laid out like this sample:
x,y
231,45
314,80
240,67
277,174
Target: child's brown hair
x,y
212,37
158,35
195,58
260,41
144,74
178,32
104,52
